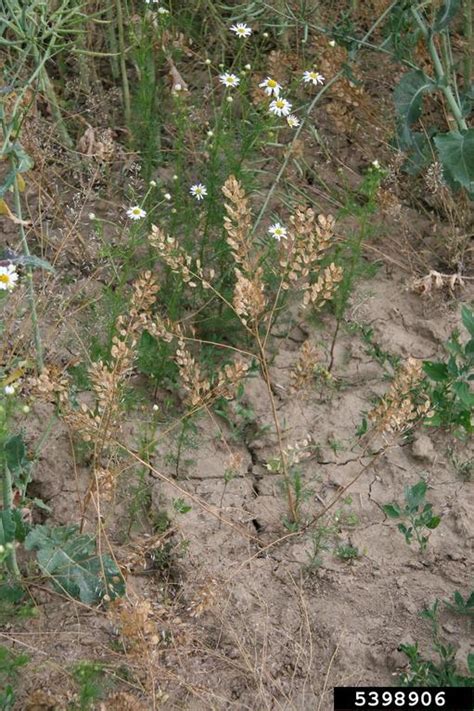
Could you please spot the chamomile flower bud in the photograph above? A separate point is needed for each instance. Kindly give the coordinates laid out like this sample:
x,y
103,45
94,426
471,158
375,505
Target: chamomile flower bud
x,y
152,183
210,134
155,408
266,35
163,11
248,67
229,99
167,196
175,177
332,43
25,409
91,216
9,389
208,62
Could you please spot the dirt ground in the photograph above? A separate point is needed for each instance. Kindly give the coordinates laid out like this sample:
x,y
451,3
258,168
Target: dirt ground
x,y
242,618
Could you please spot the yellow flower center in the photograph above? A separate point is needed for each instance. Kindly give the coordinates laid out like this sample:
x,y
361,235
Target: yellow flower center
x,y
4,278
271,83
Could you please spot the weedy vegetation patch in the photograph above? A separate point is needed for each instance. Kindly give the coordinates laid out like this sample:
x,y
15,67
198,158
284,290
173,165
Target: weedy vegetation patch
x,y
237,351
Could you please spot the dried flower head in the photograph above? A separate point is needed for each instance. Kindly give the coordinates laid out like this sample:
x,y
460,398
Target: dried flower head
x,y
204,598
436,281
237,222
325,286
249,298
403,405
178,260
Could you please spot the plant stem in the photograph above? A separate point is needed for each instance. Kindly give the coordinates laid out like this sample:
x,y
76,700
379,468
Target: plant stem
x,y
113,45
266,376
123,65
469,35
48,89
29,279
440,73
7,506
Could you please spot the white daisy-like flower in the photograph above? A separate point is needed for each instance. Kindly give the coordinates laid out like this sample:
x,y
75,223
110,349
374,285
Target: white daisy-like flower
x,y
241,29
376,164
277,231
8,277
280,107
229,80
272,87
311,77
199,191
163,11
9,389
149,2
136,213
293,121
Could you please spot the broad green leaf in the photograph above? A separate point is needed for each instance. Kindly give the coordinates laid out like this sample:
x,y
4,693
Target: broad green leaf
x,y
11,592
7,526
464,394
433,522
71,561
15,453
468,319
36,262
470,662
28,261
7,183
392,510
467,101
456,153
24,161
445,14
408,95
417,148
436,371
414,495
